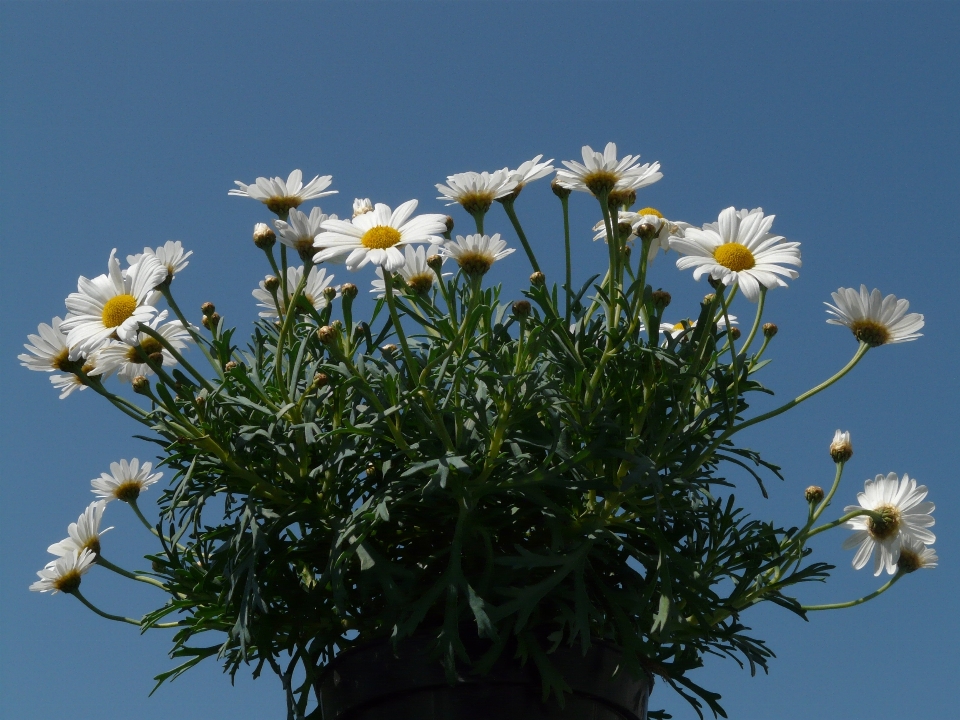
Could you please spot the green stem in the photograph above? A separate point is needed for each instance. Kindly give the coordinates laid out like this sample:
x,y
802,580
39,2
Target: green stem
x,y
200,341
845,518
859,601
122,404
117,618
756,320
825,503
565,203
733,357
146,329
126,573
511,213
478,219
413,367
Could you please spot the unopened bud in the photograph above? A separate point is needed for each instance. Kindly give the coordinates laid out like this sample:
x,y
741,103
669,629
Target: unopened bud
x,y
734,333
448,221
715,283
210,322
348,291
271,283
201,400
327,335
769,330
232,365
708,299
559,190
141,385
156,358
337,325
646,231
321,380
537,278
841,449
263,236
373,472
627,250
208,308
157,567
329,293
521,308
389,349
661,299
435,262
813,494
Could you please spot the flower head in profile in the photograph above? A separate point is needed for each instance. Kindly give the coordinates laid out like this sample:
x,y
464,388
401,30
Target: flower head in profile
x,y
914,555
476,254
170,255
475,192
112,305
300,230
280,196
873,319
125,482
647,222
682,328
377,237
68,384
361,206
84,534
903,516
416,272
317,282
601,173
738,249
64,573
49,350
127,360
528,172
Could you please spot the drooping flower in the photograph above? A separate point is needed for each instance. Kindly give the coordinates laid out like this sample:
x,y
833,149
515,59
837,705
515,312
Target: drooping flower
x,y
84,534
738,249
125,482
603,172
49,350
63,574
280,196
126,359
475,192
317,282
903,516
376,237
873,319
475,254
914,555
418,275
111,305
170,255
361,206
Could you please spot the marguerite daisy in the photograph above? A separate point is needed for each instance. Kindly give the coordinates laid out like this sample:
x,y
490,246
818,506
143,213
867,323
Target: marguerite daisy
x,y
84,534
361,206
376,237
126,359
475,254
49,351
418,275
170,255
528,172
738,249
633,223
280,196
678,329
63,574
112,305
477,191
914,555
300,230
873,319
904,516
125,482
602,172
317,282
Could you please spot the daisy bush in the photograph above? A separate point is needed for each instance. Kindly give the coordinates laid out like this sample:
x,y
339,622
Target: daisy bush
x,y
513,474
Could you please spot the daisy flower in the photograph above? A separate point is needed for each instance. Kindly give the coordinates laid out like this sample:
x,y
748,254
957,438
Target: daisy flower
x,y
602,172
418,275
872,319
477,191
49,351
738,250
841,449
84,534
528,172
376,237
170,255
317,282
905,517
63,574
914,555
677,329
280,196
126,359
125,482
300,230
361,206
475,254
630,223
112,304
67,384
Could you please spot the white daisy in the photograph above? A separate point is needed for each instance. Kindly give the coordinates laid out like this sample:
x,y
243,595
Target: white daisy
x,y
49,351
738,249
376,237
317,282
914,555
125,482
361,206
170,255
904,517
67,384
529,171
475,254
873,319
675,330
301,229
631,222
841,449
280,196
84,534
63,574
477,191
112,305
418,275
125,358
602,172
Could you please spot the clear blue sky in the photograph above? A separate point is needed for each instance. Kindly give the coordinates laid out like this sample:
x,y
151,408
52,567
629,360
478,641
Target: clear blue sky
x,y
124,125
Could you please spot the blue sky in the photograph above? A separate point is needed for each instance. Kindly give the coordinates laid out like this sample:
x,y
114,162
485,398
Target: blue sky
x,y
124,125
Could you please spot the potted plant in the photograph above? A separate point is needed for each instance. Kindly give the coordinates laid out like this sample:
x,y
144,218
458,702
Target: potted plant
x,y
464,505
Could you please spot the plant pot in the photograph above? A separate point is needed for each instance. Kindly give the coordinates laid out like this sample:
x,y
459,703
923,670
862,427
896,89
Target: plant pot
x,y
371,682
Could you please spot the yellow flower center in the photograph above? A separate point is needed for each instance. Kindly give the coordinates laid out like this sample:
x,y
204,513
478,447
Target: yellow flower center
x,y
68,582
476,202
148,345
93,545
60,360
600,181
734,256
117,309
475,263
650,211
870,331
887,525
680,326
421,282
909,561
380,237
281,205
127,491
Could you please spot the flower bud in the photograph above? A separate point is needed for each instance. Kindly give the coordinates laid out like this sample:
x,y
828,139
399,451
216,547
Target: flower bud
x,y
389,349
734,333
321,380
537,278
361,206
813,494
661,299
263,236
559,190
521,308
208,308
626,251
448,221
337,325
141,385
271,283
329,293
327,334
210,322
157,567
646,231
373,472
200,400
708,299
348,291
715,283
435,262
231,365
841,449
156,358
769,330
